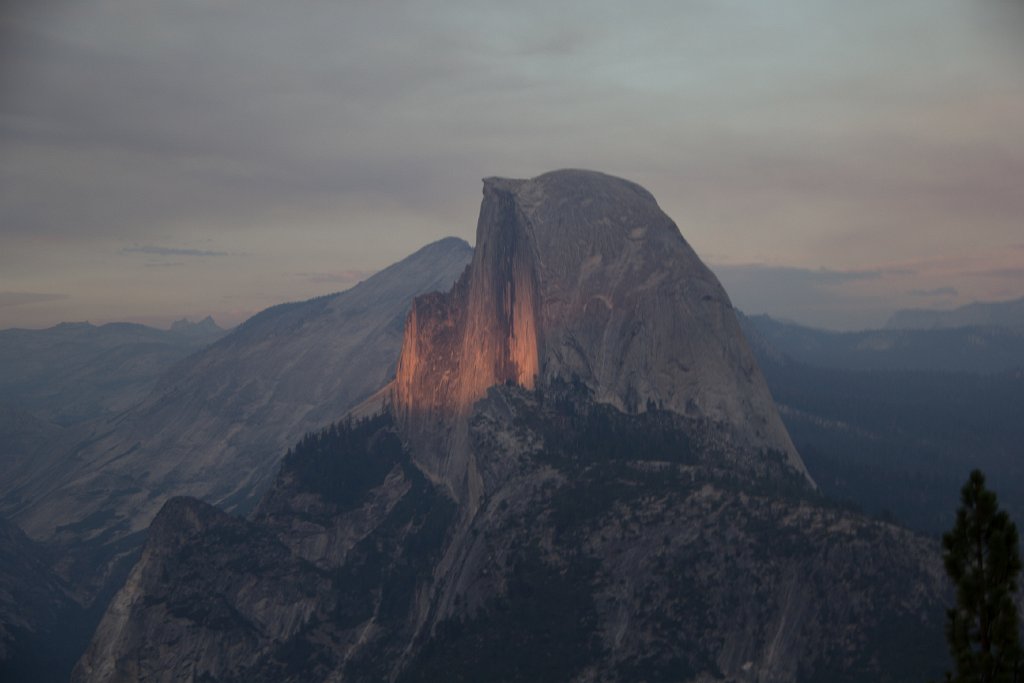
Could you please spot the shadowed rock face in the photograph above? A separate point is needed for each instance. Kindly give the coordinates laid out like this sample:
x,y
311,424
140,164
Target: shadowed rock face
x,y
578,275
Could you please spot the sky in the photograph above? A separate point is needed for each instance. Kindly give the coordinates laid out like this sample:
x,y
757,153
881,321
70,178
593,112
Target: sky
x,y
832,161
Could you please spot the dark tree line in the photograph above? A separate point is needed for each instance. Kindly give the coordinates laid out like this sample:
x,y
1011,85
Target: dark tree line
x,y
982,557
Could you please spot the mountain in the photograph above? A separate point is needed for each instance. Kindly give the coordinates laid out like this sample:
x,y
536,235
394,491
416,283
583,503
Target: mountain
x,y
579,276
591,558
954,349
895,428
76,371
217,423
1009,314
204,327
23,437
577,475
55,379
35,610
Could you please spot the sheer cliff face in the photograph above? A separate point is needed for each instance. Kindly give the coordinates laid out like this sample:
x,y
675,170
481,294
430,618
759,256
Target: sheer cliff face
x,y
485,331
579,275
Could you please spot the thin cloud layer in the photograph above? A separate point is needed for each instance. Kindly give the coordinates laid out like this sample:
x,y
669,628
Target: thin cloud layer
x,y
171,251
24,298
938,292
323,137
864,299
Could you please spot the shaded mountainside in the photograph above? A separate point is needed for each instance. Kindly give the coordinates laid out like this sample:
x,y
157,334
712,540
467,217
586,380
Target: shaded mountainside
x,y
634,551
23,436
963,349
898,442
76,371
1009,314
217,423
40,625
901,444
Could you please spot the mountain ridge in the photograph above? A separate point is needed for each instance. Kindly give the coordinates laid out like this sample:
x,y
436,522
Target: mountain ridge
x,y
73,372
1009,314
215,425
987,350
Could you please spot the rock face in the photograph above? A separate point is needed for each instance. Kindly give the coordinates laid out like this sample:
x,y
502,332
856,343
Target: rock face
x,y
578,275
217,423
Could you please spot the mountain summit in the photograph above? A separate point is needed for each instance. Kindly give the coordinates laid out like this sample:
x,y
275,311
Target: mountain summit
x,y
579,277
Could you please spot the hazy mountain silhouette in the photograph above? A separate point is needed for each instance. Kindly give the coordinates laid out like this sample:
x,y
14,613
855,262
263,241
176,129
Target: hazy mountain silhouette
x,y
77,371
1008,314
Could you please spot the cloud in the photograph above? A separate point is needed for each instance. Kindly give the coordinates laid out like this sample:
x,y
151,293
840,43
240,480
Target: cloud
x,y
26,298
945,292
806,277
340,277
171,251
819,297
345,134
1010,272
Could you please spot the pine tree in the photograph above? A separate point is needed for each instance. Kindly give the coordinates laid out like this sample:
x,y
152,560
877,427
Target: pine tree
x,y
982,557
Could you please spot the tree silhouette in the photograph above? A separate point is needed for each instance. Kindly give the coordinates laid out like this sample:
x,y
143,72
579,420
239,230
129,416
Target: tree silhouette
x,y
982,557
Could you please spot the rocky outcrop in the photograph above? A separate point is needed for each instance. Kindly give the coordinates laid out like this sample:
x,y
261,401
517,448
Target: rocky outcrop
x,y
578,276
335,544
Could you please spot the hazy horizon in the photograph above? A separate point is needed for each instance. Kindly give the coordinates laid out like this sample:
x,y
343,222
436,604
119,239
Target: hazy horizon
x,y
743,283
832,162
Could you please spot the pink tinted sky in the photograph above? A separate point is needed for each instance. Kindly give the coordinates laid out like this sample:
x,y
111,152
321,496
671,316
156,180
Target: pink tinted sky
x,y
832,161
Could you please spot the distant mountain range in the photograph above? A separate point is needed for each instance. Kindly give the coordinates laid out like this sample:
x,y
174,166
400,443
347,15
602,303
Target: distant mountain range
x,y
55,380
1009,314
955,349
893,420
74,372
